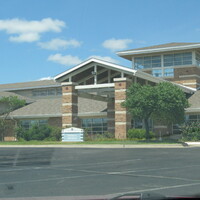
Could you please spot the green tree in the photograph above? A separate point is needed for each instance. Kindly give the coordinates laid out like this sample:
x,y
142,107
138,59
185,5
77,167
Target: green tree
x,y
164,101
10,103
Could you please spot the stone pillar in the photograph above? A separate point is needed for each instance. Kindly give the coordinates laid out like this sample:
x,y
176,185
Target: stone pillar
x,y
69,105
122,117
111,115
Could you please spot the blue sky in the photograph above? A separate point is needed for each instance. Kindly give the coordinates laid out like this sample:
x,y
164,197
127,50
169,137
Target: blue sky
x,y
42,38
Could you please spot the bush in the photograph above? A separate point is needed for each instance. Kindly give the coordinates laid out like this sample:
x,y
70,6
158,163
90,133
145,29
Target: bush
x,y
88,136
191,132
138,134
36,132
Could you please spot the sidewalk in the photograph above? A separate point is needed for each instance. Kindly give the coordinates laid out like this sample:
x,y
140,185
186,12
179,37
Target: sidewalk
x,y
100,146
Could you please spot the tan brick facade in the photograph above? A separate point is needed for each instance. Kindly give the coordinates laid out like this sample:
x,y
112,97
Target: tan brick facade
x,y
122,118
69,105
55,121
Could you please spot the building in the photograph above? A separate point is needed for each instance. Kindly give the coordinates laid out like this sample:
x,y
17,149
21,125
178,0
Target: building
x,y
89,95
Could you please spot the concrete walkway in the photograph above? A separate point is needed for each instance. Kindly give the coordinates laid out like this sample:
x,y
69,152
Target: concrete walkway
x,y
184,145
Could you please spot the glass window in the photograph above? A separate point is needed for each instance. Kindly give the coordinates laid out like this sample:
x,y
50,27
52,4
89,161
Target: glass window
x,y
47,92
157,72
178,59
169,72
95,125
147,62
29,123
51,92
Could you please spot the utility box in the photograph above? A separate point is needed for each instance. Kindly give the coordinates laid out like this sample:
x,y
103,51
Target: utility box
x,y
72,134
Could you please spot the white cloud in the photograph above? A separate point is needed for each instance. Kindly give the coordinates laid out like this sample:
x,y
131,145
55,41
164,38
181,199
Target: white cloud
x,y
106,58
116,44
46,78
29,31
66,60
56,44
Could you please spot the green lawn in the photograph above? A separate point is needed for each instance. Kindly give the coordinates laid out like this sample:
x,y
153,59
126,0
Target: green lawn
x,y
90,142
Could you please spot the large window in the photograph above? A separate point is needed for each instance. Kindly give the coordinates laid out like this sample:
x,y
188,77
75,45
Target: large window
x,y
177,59
157,72
47,92
95,125
147,62
29,123
192,118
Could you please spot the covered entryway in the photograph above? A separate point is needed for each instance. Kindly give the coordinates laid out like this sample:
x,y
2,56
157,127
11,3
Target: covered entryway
x,y
102,81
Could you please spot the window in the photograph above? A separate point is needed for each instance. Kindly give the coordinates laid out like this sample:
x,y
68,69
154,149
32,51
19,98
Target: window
x,y
169,72
95,125
197,56
157,72
47,92
28,123
192,118
178,59
147,62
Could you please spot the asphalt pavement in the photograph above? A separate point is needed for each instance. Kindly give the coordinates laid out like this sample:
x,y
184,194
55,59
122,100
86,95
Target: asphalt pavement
x,y
106,172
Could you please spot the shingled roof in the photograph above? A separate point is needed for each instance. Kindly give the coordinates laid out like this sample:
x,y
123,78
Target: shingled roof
x,y
29,85
52,108
194,102
8,94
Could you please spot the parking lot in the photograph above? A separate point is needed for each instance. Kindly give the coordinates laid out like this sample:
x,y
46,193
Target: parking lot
x,y
43,172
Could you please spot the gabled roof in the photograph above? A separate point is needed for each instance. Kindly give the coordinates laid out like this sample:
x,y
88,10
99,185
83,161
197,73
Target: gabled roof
x,y
97,61
158,48
29,85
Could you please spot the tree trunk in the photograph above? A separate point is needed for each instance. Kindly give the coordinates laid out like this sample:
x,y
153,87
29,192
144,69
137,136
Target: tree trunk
x,y
146,124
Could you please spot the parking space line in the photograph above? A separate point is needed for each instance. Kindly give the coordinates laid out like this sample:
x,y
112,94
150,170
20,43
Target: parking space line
x,y
159,188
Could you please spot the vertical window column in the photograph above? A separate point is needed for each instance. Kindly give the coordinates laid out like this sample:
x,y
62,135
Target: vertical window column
x,y
69,105
111,116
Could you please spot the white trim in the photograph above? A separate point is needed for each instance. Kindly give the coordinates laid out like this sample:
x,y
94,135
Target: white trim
x,y
101,62
123,123
121,79
120,90
68,83
69,104
69,93
69,114
161,49
121,112
119,101
104,85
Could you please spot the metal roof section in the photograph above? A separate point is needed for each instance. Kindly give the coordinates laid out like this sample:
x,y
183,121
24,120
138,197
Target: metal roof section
x,y
29,85
157,49
97,61
108,65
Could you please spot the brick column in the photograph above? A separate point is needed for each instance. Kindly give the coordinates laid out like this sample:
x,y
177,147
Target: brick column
x,y
122,118
69,105
111,116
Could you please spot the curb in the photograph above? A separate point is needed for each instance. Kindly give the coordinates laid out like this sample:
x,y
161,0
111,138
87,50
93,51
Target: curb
x,y
112,146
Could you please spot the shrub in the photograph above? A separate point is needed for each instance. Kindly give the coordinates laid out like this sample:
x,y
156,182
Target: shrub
x,y
36,132
191,131
138,134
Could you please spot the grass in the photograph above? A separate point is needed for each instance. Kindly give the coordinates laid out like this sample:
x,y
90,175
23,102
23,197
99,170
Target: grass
x,y
135,142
